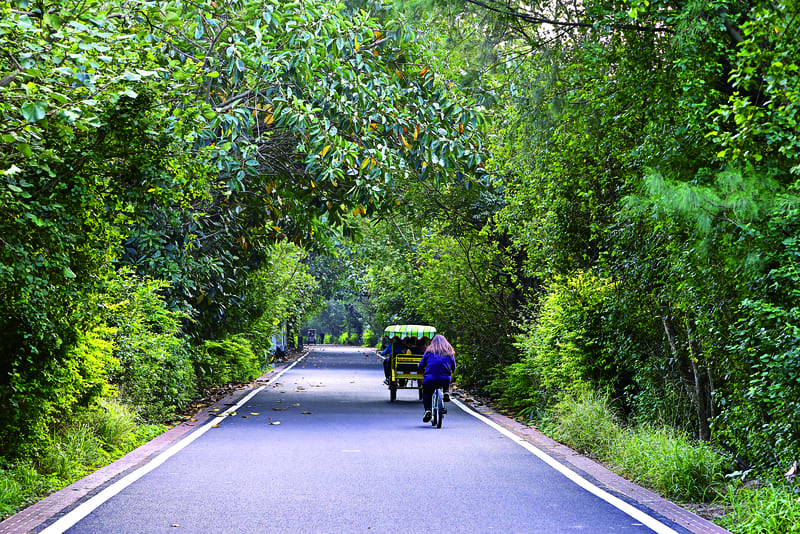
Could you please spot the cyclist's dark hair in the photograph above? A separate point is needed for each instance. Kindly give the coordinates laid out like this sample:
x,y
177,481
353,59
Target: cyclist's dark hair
x,y
440,346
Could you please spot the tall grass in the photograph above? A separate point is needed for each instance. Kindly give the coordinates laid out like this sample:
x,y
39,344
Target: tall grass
x,y
588,424
21,485
661,458
769,509
93,440
667,461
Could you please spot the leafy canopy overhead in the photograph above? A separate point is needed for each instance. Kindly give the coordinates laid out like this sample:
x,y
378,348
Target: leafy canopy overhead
x,y
323,108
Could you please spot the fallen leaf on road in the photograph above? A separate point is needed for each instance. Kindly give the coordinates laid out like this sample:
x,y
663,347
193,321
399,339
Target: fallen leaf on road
x,y
215,426
296,404
305,412
255,413
274,422
278,409
245,417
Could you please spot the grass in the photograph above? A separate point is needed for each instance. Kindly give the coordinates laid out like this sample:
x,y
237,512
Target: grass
x,y
667,461
769,509
661,458
96,439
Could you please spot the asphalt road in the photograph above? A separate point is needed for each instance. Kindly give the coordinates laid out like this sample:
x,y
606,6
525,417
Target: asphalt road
x,y
323,450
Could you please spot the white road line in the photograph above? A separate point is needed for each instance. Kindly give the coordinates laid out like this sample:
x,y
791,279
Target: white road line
x,y
90,505
652,523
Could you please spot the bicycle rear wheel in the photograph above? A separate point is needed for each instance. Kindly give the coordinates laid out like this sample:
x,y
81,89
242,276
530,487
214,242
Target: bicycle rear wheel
x,y
437,405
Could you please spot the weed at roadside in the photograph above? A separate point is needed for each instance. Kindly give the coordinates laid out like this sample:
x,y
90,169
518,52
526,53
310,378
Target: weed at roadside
x,y
667,461
769,509
96,439
663,459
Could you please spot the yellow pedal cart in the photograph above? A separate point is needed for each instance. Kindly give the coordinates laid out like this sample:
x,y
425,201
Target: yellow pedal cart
x,y
406,342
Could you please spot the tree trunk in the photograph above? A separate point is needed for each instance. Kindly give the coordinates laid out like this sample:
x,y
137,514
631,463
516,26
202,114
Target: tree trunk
x,y
696,379
702,389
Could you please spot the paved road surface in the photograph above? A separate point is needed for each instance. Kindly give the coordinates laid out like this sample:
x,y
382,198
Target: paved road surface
x,y
340,458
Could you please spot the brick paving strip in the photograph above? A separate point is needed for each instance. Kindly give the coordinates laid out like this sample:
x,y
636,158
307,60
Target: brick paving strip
x,y
59,503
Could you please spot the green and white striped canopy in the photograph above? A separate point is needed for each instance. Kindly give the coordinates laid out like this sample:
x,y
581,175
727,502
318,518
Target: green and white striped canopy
x,y
406,331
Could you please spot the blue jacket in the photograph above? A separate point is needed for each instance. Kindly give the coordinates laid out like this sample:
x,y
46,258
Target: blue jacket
x,y
394,348
435,367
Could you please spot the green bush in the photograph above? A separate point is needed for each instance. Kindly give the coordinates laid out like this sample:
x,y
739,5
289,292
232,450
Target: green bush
x,y
157,377
155,372
565,347
516,388
368,338
770,509
35,397
229,360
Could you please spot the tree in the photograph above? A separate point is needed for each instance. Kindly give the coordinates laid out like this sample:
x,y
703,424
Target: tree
x,y
182,140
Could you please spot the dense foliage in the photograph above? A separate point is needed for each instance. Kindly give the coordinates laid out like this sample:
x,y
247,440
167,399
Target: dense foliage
x,y
592,197
165,164
642,238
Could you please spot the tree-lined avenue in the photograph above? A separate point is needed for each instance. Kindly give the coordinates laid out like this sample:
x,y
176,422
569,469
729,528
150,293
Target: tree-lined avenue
x,y
323,450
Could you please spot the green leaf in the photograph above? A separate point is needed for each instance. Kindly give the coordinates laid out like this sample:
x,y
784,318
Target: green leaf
x,y
25,148
34,111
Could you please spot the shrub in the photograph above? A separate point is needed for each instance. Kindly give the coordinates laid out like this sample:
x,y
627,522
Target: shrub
x,y
368,338
516,388
155,372
158,377
229,360
565,347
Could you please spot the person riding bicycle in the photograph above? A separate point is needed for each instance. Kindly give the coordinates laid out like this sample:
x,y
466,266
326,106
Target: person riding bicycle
x,y
437,366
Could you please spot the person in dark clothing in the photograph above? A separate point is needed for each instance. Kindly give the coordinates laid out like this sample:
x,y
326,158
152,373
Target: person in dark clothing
x,y
437,366
398,347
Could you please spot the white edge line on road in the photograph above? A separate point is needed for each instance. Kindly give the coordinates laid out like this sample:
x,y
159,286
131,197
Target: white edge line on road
x,y
650,522
84,509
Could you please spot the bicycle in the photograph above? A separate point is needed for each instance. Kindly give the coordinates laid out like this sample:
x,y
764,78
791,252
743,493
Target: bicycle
x,y
437,408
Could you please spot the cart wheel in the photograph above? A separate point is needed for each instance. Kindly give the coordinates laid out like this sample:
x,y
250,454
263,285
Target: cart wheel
x,y
393,391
